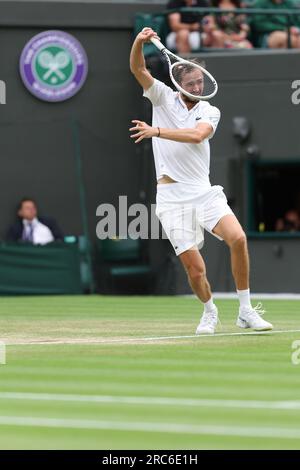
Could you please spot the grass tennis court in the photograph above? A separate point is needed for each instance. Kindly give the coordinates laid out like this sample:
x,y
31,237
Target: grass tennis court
x,y
81,375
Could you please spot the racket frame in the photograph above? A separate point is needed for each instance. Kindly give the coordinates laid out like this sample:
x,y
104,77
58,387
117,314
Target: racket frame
x,y
166,54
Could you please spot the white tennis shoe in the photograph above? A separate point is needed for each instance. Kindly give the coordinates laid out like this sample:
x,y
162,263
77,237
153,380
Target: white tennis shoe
x,y
208,322
251,318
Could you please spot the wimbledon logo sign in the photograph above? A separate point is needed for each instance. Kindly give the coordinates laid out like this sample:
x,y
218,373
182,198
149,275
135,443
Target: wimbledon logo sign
x,y
53,66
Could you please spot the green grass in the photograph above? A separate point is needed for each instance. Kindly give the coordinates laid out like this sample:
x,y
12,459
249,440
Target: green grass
x,y
249,368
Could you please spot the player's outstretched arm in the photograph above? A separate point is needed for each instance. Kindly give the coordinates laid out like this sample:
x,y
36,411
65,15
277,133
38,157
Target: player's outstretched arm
x,y
137,60
190,135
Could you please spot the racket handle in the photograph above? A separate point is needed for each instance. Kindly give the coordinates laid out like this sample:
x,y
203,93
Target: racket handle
x,y
157,44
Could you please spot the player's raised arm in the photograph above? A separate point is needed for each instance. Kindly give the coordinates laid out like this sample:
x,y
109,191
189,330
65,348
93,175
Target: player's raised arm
x,y
137,60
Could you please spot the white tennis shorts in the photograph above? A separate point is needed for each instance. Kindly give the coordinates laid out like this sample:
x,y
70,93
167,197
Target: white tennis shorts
x,y
185,211
194,40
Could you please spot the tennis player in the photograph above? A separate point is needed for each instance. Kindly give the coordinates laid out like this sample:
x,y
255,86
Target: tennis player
x,y
187,203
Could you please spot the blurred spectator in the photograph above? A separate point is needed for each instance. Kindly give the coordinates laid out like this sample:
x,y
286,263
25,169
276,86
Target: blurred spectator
x,y
290,222
32,228
272,29
226,30
185,33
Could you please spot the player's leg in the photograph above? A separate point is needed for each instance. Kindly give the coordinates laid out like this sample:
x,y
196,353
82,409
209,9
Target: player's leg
x,y
179,222
194,266
230,230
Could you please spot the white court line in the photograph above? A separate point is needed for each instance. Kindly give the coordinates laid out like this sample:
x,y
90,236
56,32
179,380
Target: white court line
x,y
163,401
143,339
168,428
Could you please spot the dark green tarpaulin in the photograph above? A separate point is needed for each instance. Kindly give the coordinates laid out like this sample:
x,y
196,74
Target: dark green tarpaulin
x,y
50,269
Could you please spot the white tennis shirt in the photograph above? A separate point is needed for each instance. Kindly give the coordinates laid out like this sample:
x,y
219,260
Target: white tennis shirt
x,y
183,162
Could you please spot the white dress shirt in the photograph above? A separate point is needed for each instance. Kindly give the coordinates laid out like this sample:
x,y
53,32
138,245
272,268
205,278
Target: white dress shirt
x,y
41,234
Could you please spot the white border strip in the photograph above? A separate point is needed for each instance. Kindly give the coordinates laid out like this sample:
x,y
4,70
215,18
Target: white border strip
x,y
167,428
156,401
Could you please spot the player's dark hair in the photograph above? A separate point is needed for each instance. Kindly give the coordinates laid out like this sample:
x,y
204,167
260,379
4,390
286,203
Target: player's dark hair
x,y
182,68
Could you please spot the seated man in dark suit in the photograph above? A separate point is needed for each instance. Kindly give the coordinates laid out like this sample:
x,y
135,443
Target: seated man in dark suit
x,y
31,228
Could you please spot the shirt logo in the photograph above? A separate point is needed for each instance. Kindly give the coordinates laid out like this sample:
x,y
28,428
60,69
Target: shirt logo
x,y
198,118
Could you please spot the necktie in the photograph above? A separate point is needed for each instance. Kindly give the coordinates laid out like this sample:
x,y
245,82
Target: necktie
x,y
28,233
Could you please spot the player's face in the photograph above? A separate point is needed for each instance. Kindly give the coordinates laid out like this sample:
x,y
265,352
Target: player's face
x,y
28,210
193,82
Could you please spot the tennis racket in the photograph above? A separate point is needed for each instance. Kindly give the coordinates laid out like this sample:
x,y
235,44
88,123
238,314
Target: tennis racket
x,y
189,77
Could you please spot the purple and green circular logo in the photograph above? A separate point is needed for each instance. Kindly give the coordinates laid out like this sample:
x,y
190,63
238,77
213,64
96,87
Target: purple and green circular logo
x,y
53,66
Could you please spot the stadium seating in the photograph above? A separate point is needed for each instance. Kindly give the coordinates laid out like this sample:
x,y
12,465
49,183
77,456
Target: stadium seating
x,y
121,259
159,23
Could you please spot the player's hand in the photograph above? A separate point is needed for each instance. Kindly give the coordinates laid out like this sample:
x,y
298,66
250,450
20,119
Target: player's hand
x,y
146,34
144,131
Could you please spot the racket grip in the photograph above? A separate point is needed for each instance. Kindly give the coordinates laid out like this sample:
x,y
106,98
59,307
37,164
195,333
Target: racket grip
x,y
157,44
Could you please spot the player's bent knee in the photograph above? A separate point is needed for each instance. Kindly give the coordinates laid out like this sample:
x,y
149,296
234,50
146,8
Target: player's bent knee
x,y
196,273
239,240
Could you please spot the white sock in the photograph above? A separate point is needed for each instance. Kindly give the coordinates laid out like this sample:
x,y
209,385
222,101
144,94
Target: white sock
x,y
244,298
209,305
